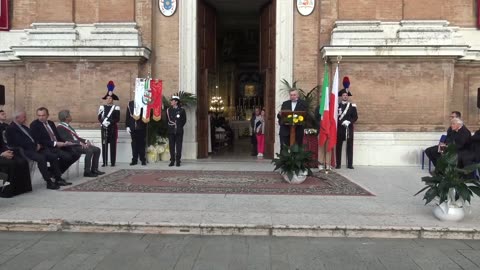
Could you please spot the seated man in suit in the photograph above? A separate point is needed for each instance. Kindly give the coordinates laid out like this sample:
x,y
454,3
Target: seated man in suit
x,y
19,136
46,134
68,134
15,166
3,121
460,136
434,152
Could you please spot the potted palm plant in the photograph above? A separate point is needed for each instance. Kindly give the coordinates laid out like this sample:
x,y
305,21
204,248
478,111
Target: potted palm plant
x,y
292,161
451,186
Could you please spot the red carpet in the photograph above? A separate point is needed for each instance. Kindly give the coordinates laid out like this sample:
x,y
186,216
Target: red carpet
x,y
219,182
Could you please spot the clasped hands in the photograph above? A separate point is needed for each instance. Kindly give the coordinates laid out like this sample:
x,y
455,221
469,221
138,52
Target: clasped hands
x,y
7,154
346,123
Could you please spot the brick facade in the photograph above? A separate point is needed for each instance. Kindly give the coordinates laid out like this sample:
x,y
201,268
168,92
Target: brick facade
x,y
392,94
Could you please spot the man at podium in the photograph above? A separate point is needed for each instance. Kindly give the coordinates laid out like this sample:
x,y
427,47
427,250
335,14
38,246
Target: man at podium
x,y
297,105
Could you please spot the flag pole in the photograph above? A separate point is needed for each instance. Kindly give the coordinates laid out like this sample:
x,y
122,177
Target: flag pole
x,y
324,146
339,58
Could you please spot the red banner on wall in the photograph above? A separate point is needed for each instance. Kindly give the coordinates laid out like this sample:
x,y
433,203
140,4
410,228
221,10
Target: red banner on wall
x,y
4,12
478,14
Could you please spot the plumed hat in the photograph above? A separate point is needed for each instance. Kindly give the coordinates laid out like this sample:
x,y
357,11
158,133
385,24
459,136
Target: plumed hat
x,y
346,85
110,88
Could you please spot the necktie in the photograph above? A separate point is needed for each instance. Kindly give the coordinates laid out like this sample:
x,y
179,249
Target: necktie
x,y
50,132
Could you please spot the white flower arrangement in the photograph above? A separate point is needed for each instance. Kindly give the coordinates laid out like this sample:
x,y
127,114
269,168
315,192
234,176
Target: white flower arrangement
x,y
155,151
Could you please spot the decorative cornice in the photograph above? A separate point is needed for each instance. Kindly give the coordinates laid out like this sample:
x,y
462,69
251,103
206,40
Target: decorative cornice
x,y
394,51
69,41
407,38
123,53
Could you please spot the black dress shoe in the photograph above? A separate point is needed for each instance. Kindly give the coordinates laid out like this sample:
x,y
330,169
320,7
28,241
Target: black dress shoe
x,y
52,185
113,165
104,165
350,167
337,167
97,172
62,182
133,163
144,163
89,174
171,164
178,164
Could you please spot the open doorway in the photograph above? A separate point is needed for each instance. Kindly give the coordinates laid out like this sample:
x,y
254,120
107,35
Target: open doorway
x,y
235,64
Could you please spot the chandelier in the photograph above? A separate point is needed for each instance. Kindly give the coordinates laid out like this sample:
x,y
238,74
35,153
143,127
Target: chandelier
x,y
216,104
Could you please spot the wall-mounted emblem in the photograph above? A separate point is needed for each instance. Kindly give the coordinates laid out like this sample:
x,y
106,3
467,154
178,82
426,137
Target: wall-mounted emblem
x,y
167,7
305,7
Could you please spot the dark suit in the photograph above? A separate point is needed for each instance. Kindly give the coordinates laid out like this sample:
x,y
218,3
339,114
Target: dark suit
x,y
285,129
344,134
471,156
17,170
138,133
16,138
110,133
92,153
176,118
461,138
66,156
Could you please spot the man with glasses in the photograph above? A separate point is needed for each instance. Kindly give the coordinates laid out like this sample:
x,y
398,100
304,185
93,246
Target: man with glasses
x,y
435,152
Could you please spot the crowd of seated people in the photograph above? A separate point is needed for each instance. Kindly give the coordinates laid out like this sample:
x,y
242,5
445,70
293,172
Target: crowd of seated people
x,y
39,142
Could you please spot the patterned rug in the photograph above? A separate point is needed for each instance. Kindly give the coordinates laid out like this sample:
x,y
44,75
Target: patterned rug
x,y
219,182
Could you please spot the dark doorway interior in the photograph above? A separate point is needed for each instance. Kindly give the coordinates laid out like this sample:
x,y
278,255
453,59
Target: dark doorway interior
x,y
232,77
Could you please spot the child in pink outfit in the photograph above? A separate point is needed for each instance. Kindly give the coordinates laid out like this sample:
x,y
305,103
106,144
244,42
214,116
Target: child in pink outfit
x,y
260,132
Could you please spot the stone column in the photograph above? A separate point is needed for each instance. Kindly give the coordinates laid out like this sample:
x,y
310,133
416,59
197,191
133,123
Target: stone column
x,y
283,54
188,69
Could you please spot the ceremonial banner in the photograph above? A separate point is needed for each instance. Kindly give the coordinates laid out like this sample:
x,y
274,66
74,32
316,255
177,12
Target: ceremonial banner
x,y
139,101
4,12
156,88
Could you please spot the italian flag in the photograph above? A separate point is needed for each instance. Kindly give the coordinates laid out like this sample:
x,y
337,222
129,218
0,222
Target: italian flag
x,y
324,110
333,109
329,112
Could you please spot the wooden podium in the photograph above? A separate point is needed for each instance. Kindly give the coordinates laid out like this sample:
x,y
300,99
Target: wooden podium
x,y
288,118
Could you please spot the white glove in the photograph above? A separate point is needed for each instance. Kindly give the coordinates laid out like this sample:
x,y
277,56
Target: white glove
x,y
106,123
129,130
346,123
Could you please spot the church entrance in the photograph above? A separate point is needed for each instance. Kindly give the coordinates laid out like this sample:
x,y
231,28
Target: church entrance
x,y
236,64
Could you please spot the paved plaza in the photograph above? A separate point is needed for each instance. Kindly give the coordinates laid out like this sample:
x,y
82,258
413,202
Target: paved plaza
x,y
393,212
81,251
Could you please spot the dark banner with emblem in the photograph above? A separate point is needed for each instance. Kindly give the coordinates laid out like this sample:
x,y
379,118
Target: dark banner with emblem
x,y
4,12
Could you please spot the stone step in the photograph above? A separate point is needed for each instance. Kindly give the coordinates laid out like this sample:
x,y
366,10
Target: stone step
x,y
59,225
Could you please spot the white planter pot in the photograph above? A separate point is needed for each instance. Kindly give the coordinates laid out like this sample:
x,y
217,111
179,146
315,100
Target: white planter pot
x,y
296,179
448,213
